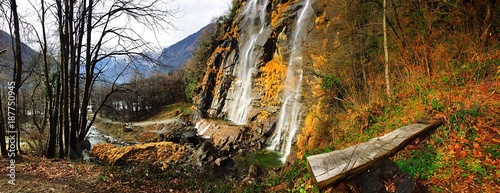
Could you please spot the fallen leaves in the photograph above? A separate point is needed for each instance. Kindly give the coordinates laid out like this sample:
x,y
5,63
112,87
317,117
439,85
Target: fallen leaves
x,y
40,174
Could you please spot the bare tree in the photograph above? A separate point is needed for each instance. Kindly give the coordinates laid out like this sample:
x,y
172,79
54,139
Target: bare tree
x,y
386,53
85,28
18,64
3,148
490,13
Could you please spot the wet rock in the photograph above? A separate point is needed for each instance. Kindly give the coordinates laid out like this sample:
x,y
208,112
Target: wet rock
x,y
271,109
189,136
86,145
197,115
204,153
222,135
128,128
254,171
264,36
171,130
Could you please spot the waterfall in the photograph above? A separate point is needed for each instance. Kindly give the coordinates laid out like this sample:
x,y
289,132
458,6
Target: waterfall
x,y
240,95
290,114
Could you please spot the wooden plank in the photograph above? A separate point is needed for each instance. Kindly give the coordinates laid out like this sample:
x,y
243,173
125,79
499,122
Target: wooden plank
x,y
330,168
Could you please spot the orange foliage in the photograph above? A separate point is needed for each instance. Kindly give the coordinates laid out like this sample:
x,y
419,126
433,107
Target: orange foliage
x,y
277,15
271,80
159,154
309,138
319,61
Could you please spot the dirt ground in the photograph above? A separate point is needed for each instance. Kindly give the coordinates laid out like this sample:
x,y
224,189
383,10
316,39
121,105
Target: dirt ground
x,y
39,174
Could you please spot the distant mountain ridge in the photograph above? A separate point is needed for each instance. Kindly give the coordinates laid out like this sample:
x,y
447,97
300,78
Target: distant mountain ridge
x,y
7,58
179,53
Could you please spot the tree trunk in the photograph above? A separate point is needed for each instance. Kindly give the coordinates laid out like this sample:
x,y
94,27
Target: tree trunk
x,y
490,13
3,148
386,53
17,67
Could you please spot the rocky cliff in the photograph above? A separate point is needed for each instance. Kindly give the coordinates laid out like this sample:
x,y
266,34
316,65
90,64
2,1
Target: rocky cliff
x,y
254,76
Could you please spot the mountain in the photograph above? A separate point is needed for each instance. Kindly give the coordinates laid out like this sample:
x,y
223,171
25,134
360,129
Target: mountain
x,y
7,58
179,53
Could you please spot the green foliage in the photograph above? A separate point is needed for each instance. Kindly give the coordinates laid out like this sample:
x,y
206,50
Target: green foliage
x,y
472,71
483,70
476,168
255,188
190,89
419,22
421,163
494,150
436,106
373,45
329,82
463,120
438,189
265,159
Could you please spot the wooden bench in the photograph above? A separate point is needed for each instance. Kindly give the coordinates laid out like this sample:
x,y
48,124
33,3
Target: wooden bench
x,y
329,169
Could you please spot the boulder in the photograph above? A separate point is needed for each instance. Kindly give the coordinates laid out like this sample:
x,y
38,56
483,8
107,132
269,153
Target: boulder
x,y
204,153
223,135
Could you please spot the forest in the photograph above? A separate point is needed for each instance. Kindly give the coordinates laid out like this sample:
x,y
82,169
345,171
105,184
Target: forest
x,y
366,68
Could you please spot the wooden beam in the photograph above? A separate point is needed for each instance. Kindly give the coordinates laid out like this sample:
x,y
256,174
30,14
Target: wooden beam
x,y
329,169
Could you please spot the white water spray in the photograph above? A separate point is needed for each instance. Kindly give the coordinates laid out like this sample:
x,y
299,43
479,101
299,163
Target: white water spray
x,y
240,96
290,114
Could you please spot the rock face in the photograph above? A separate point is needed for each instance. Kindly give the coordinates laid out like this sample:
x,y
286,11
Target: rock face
x,y
173,130
245,76
224,137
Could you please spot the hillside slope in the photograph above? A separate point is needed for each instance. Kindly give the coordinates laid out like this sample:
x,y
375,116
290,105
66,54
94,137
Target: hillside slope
x,y
179,53
443,63
7,58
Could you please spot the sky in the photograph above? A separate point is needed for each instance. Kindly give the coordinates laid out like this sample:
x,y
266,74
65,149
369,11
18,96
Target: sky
x,y
191,16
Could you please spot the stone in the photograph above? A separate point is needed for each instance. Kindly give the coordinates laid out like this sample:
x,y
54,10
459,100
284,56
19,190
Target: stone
x,y
254,171
222,135
203,153
127,129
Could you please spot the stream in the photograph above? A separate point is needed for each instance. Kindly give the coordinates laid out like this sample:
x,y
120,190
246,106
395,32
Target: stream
x,y
95,137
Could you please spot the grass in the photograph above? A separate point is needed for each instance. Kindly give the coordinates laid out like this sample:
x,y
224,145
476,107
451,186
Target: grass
x,y
172,110
292,178
265,159
422,163
464,151
115,130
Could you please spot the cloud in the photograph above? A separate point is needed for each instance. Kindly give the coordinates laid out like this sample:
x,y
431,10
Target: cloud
x,y
193,15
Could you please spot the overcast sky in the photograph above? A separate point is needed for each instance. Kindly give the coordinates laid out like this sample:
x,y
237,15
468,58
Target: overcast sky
x,y
192,15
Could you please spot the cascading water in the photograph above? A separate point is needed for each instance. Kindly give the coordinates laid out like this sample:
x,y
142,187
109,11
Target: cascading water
x,y
240,95
290,113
